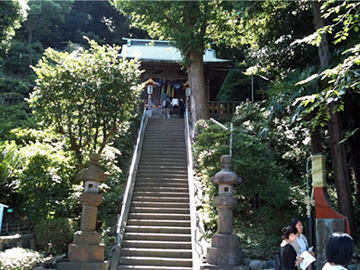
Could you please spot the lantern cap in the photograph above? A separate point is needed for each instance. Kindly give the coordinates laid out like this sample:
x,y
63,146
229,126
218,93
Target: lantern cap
x,y
226,176
93,173
150,82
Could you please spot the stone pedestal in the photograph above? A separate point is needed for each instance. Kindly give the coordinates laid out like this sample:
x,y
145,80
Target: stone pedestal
x,y
87,253
328,220
224,253
224,250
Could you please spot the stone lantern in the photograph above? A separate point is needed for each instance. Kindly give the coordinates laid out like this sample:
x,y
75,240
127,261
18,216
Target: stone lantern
x,y
150,84
86,252
224,252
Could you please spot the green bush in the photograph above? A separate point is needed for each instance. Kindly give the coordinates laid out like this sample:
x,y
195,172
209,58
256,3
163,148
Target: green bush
x,y
54,235
19,259
13,116
48,182
272,173
8,84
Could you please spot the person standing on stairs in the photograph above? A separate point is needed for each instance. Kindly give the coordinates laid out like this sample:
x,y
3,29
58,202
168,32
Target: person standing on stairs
x,y
163,97
175,105
167,108
181,108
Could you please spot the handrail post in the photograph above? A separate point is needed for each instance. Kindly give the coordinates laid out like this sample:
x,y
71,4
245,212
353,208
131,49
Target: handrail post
x,y
231,137
226,128
195,255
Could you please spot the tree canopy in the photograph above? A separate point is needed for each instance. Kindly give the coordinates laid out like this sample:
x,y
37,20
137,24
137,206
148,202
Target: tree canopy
x,y
191,26
88,95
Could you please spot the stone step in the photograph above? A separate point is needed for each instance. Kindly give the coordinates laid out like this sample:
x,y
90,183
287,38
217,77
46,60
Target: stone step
x,y
156,244
159,157
160,204
161,199
171,124
155,229
159,216
159,210
164,163
176,132
151,252
155,139
157,236
163,175
161,194
169,141
159,223
146,183
173,180
156,261
149,188
164,151
149,267
164,160
172,144
164,139
161,168
165,127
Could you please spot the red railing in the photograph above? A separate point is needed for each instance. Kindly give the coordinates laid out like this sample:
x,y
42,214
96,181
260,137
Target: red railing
x,y
222,108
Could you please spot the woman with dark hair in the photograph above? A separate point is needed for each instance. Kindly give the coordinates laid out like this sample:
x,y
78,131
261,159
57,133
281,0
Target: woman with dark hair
x,y
339,251
300,244
288,257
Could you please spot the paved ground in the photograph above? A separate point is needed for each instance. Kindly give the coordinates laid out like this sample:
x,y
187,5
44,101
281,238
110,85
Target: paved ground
x,y
156,113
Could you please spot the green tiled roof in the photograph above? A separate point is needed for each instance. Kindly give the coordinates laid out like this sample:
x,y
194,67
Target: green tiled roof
x,y
160,51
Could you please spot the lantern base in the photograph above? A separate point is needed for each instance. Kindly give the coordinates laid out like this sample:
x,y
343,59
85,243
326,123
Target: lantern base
x,y
224,250
83,266
86,253
222,267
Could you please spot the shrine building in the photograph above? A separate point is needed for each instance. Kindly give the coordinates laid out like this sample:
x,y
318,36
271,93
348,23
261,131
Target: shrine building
x,y
161,62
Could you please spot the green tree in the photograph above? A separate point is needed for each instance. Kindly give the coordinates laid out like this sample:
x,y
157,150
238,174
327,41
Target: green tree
x,y
88,95
337,83
40,15
271,164
9,161
11,14
191,26
321,99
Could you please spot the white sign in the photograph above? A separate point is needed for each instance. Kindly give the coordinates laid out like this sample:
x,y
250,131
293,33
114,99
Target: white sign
x,y
150,89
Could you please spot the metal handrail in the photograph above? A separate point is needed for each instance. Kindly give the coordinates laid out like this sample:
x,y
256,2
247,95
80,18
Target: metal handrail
x,y
196,255
226,128
122,219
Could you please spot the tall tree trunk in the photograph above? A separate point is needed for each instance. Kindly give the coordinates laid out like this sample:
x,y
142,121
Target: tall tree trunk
x,y
199,105
316,147
338,153
352,115
29,29
324,51
315,135
341,170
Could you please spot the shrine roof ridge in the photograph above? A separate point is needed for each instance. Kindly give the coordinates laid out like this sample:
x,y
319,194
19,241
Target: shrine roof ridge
x,y
147,50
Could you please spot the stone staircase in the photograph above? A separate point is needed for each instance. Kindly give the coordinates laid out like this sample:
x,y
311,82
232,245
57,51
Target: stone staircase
x,y
158,234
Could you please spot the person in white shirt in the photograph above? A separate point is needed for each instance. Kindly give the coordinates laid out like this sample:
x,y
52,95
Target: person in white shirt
x,y
175,102
301,243
175,105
